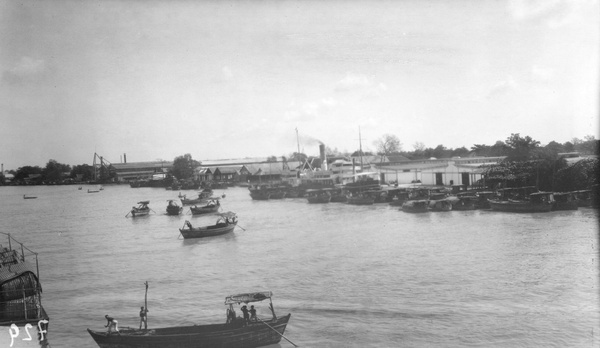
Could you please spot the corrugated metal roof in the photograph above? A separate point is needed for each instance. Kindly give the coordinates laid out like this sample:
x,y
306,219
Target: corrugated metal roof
x,y
141,165
137,172
230,162
266,168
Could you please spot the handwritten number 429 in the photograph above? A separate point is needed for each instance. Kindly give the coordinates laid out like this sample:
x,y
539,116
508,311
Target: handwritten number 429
x,y
14,331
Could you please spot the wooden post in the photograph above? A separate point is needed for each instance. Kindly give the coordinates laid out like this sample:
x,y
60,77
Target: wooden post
x,y
146,307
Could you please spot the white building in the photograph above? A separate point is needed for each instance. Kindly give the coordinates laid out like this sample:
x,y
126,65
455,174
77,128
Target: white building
x,y
447,171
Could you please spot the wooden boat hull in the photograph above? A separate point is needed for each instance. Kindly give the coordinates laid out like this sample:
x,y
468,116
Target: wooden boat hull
x,y
440,205
568,205
260,195
234,335
206,231
137,213
339,199
174,211
519,207
464,203
204,210
415,207
277,195
193,201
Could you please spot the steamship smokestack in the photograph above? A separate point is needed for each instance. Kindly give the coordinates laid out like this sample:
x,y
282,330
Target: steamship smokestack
x,y
124,158
323,158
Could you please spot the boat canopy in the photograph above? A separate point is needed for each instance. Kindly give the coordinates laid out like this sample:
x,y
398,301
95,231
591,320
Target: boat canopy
x,y
249,297
144,202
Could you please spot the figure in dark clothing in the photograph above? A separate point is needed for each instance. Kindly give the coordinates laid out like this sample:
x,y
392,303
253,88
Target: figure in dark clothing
x,y
230,316
143,318
246,316
252,314
111,324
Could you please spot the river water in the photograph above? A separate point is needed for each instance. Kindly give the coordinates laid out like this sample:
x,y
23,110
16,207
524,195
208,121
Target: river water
x,y
352,276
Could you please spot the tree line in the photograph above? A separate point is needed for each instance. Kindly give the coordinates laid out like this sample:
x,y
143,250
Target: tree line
x,y
526,162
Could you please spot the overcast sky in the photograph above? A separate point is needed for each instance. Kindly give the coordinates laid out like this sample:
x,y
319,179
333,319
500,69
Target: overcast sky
x,y
234,79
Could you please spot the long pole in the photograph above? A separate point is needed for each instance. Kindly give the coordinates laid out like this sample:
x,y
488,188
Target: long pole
x,y
360,144
297,141
279,333
146,307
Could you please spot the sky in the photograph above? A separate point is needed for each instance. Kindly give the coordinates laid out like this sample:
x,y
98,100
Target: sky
x,y
236,79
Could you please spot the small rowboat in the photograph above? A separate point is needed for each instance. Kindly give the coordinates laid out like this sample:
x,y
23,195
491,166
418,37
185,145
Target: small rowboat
x,y
212,206
29,197
538,202
203,197
173,208
141,210
226,222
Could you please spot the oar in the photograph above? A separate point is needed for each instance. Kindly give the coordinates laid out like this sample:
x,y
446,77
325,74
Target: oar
x,y
277,332
241,227
128,214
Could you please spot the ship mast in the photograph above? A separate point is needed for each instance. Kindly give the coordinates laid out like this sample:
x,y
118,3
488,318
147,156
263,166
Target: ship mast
x,y
360,146
297,141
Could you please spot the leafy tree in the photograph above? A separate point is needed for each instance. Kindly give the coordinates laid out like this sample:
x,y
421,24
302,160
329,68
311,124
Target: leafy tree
x,y
569,146
588,146
272,159
183,166
480,149
440,151
85,171
520,148
24,172
539,173
53,171
580,175
460,152
554,148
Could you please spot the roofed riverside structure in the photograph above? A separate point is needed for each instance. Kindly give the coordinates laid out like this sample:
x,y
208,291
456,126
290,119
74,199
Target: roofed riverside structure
x,y
140,170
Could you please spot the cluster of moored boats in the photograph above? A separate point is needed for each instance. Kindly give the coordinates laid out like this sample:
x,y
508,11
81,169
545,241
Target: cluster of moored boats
x,y
419,199
204,204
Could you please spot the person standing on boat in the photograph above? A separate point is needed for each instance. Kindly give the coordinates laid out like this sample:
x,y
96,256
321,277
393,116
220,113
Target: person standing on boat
x,y
111,324
252,314
246,316
143,318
